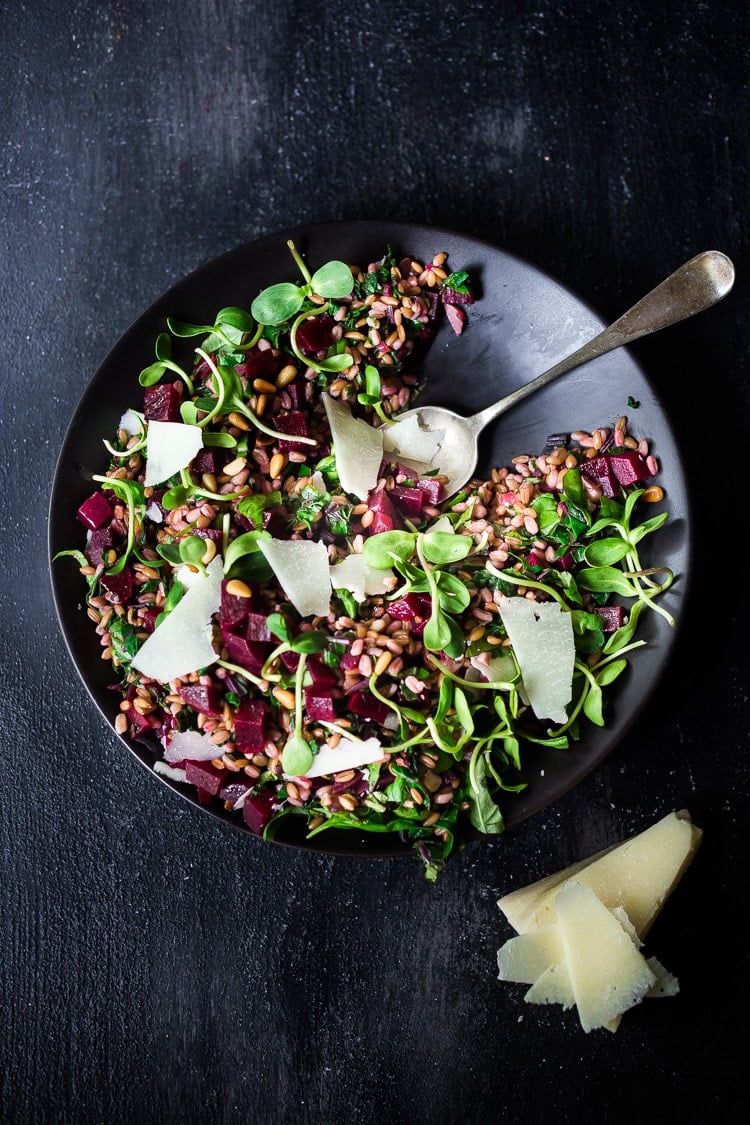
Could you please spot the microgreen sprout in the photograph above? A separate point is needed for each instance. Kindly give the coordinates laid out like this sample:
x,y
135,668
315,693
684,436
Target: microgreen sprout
x,y
279,303
164,362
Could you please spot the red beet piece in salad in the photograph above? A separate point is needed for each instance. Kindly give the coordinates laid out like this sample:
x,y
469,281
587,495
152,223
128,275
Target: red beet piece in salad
x,y
206,777
95,512
386,517
258,810
315,335
161,403
250,725
295,424
202,697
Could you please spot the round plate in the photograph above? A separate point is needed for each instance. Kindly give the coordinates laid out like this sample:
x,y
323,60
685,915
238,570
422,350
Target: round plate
x,y
523,321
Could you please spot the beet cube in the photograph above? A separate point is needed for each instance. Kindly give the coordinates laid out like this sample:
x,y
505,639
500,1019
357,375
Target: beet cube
x,y
234,610
295,424
231,791
248,654
202,697
260,363
323,675
456,317
319,705
98,543
95,511
258,810
612,616
161,403
432,489
386,517
599,471
206,777
315,335
250,725
629,467
204,461
364,704
409,501
119,586
257,627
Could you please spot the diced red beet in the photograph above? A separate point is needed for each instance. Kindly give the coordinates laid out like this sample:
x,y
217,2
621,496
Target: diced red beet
x,y
137,722
95,512
386,517
161,403
629,467
205,460
296,392
348,661
411,607
323,675
456,317
295,424
364,704
315,335
290,660
257,628
202,697
453,297
205,776
408,500
99,541
149,616
599,470
248,654
258,810
250,725
613,617
234,610
119,586
319,705
432,489
260,363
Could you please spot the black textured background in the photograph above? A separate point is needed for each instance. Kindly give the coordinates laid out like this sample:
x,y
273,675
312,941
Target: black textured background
x,y
156,967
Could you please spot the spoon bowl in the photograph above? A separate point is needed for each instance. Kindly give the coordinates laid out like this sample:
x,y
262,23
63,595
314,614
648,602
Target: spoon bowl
x,y
698,284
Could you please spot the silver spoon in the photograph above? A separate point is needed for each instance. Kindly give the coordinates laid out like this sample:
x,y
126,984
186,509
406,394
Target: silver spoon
x,y
695,286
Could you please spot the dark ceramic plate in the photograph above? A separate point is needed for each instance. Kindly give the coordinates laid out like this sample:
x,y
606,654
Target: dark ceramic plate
x,y
522,322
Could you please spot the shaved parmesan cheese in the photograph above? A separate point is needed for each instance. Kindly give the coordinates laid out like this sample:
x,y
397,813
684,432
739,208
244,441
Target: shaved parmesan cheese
x,y
412,441
608,975
638,875
355,575
132,423
346,756
192,745
552,987
170,446
357,447
154,513
542,637
301,567
182,642
524,958
170,771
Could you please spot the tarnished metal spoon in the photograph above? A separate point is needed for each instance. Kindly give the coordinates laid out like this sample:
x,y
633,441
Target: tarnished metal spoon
x,y
697,285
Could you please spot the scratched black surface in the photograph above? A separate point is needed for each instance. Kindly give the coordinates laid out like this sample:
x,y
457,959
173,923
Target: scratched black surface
x,y
157,967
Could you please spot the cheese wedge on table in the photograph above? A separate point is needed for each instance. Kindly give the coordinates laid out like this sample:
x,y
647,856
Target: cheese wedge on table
x,y
639,875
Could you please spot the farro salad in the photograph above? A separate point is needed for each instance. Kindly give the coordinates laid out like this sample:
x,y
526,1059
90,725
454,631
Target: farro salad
x,y
300,623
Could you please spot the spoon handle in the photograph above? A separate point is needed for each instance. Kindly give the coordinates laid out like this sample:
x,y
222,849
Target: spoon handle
x,y
695,286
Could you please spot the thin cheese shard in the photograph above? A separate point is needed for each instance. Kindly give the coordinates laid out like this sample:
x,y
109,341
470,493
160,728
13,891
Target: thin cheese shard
x,y
301,566
608,975
357,448
541,634
638,875
170,446
524,958
348,754
182,643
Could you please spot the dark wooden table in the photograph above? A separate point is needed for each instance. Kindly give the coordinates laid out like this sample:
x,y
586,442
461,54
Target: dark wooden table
x,y
157,967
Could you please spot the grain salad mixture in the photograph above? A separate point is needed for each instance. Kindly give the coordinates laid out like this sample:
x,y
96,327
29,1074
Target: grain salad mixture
x,y
299,623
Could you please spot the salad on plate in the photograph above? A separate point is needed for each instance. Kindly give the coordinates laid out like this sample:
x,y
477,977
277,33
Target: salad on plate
x,y
300,624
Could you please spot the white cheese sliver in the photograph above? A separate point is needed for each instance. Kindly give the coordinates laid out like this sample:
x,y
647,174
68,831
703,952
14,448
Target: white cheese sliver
x,y
301,567
182,642
542,637
192,745
346,756
355,575
608,974
170,446
357,448
132,423
552,987
524,958
638,874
